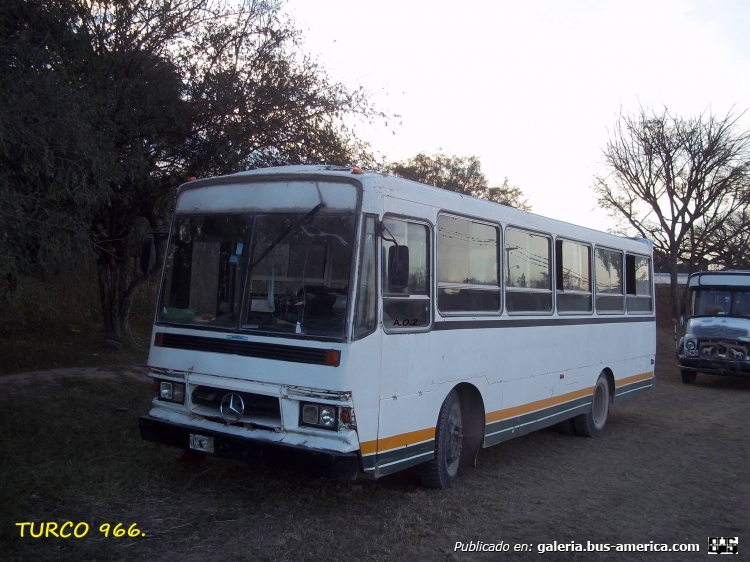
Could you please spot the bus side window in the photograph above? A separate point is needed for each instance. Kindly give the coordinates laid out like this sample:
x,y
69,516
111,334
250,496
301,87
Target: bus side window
x,y
366,311
409,308
608,270
741,305
638,283
573,263
468,280
528,275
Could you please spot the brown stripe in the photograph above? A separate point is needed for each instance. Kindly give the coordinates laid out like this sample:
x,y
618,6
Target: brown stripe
x,y
537,405
634,378
402,440
412,437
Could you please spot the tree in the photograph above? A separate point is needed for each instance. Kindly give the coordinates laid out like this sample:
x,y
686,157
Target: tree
x,y
683,183
257,103
459,174
152,91
728,247
52,166
508,195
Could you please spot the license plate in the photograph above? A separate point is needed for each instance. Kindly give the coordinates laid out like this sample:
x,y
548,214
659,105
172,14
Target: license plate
x,y
202,443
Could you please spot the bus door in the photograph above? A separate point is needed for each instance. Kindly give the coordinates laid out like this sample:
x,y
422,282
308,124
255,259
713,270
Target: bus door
x,y
406,429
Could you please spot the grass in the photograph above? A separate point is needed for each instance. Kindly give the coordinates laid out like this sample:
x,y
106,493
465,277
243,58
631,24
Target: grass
x,y
70,450
74,453
58,323
53,345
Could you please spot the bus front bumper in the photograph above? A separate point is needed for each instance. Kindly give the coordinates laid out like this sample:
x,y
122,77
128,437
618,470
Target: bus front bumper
x,y
714,366
328,464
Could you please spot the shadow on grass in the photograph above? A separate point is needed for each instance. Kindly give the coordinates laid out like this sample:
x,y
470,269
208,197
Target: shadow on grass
x,y
72,452
51,346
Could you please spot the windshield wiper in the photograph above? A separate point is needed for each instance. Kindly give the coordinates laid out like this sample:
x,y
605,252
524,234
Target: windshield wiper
x,y
285,234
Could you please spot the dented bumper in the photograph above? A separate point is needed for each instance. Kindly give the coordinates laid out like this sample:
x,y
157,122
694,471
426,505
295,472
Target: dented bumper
x,y
316,462
714,366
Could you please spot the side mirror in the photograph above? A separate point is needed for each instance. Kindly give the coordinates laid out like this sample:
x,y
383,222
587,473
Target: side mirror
x,y
398,268
148,251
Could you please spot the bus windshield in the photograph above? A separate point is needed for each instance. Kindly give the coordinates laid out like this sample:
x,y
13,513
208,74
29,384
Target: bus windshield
x,y
714,302
298,282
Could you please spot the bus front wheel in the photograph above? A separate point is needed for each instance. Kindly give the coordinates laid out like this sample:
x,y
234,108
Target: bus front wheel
x,y
592,423
442,470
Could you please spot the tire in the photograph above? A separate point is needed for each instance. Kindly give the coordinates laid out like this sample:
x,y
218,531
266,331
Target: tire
x,y
442,470
566,427
688,377
592,423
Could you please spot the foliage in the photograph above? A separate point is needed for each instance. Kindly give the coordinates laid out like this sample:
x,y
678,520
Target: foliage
x,y
460,174
107,106
683,183
52,167
258,103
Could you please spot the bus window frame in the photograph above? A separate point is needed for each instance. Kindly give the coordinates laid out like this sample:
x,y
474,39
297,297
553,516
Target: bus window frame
x,y
360,260
623,310
429,239
553,281
591,293
636,294
499,270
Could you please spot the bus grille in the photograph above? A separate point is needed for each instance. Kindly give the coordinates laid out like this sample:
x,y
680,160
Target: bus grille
x,y
206,401
297,354
733,350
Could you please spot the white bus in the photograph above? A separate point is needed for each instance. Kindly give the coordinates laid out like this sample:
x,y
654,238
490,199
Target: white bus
x,y
350,322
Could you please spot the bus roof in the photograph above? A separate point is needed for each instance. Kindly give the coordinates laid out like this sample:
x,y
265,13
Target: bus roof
x,y
429,195
727,278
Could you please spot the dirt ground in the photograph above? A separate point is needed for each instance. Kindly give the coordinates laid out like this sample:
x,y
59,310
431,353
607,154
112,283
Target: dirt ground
x,y
671,467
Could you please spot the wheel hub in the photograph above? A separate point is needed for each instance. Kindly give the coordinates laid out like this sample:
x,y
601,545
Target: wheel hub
x,y
455,436
600,405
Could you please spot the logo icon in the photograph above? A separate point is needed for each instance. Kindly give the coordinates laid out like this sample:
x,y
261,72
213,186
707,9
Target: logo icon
x,y
232,407
723,545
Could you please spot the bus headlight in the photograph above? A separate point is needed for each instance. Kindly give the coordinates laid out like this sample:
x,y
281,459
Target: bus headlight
x,y
328,416
690,344
309,414
172,391
325,416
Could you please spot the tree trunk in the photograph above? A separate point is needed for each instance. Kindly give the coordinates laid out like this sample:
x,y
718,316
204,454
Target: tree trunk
x,y
117,271
674,290
125,308
117,288
110,272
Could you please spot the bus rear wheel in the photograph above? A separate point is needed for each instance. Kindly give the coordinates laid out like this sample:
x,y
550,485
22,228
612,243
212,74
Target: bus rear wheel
x,y
688,377
592,423
442,470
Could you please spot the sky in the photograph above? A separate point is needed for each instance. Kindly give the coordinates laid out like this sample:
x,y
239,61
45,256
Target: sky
x,y
530,87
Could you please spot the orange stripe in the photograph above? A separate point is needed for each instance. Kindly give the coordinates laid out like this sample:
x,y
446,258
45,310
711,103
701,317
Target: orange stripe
x,y
537,405
412,437
634,378
402,440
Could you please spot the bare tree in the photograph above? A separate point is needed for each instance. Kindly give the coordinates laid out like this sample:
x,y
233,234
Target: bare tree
x,y
683,183
729,246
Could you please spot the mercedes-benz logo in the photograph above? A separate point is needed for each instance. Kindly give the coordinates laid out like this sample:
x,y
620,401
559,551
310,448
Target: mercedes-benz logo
x,y
232,407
